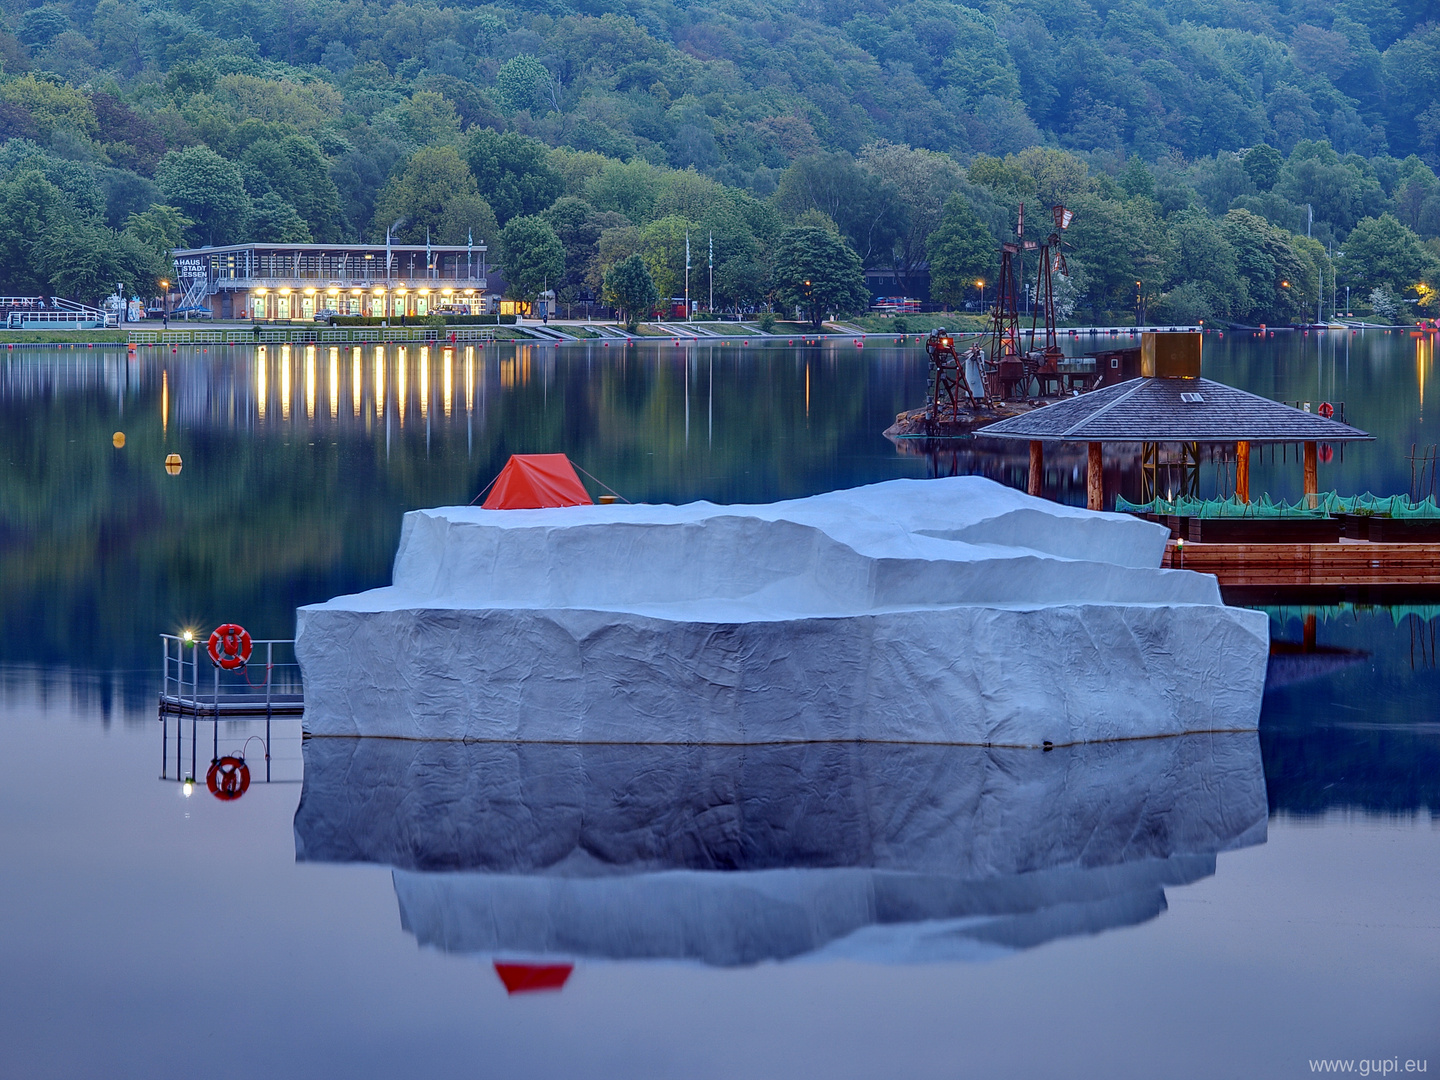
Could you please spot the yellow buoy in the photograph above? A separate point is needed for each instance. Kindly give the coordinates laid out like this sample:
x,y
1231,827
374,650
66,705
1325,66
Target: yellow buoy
x,y
173,464
118,439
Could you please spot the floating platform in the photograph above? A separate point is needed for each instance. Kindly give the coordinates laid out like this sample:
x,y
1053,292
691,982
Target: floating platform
x,y
232,705
1347,563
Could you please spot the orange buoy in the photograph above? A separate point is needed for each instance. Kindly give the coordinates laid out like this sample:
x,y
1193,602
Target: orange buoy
x,y
173,464
117,440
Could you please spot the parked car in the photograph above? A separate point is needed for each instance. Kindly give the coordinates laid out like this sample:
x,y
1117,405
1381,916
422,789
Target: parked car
x,y
326,316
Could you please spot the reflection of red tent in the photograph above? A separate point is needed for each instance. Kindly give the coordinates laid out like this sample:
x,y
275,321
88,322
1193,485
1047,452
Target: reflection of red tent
x,y
533,481
527,978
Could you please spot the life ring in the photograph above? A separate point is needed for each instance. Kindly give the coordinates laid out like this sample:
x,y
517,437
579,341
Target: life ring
x,y
1326,410
228,778
229,646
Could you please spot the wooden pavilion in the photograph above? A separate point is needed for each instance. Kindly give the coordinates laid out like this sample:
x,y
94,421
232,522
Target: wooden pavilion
x,y
1170,405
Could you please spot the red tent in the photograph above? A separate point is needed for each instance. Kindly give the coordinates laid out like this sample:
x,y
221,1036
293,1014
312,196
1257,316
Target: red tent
x,y
528,978
533,481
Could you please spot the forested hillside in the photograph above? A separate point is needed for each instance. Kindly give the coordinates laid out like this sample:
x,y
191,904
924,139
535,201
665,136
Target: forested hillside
x,y
1195,139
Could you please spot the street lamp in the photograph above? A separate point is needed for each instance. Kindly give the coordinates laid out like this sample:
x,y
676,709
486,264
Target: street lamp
x,y
165,300
981,283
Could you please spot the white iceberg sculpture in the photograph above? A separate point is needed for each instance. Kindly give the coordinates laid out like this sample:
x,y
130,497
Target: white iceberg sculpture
x,y
953,610
737,854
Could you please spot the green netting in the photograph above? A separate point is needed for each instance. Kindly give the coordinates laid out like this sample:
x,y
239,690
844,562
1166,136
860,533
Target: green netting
x,y
1327,505
1425,510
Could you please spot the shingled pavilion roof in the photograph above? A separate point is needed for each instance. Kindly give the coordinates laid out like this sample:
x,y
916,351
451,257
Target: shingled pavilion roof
x,y
1171,410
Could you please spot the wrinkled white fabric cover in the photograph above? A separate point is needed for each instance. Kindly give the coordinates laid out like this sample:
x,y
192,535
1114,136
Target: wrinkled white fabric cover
x,y
953,610
730,855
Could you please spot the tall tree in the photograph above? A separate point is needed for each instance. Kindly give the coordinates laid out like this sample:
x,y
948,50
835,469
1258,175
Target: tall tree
x,y
1381,251
513,173
532,256
962,252
208,190
817,272
629,287
435,195
869,211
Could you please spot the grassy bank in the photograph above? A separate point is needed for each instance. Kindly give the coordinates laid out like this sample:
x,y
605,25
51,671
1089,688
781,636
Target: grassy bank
x,y
919,324
61,337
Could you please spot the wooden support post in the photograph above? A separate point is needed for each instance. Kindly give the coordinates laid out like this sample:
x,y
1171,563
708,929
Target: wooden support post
x,y
1037,467
1312,476
1095,479
1242,472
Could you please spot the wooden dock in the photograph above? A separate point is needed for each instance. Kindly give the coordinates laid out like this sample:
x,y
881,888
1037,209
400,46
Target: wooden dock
x,y
1348,563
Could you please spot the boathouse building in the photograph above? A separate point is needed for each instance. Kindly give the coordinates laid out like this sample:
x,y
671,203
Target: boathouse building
x,y
269,282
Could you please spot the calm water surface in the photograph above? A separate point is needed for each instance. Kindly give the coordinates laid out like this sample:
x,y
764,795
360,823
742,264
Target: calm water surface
x,y
1203,907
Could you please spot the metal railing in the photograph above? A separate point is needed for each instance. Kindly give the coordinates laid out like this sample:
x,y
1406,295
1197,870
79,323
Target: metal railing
x,y
187,688
305,336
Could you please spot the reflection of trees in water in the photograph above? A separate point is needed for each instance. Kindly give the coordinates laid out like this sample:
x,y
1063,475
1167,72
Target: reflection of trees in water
x,y
297,472
1422,642
1357,730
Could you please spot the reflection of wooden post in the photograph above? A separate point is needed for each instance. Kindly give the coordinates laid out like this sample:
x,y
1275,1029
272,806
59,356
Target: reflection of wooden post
x,y
1095,480
1312,476
1242,471
1037,467
1309,638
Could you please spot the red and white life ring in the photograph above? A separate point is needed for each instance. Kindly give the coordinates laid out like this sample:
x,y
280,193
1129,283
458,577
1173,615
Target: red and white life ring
x,y
229,646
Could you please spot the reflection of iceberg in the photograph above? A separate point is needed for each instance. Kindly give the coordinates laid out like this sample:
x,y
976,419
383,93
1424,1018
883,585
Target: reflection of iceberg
x,y
949,610
731,855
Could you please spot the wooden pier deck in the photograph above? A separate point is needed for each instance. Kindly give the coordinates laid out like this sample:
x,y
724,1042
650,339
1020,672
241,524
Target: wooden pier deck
x,y
1348,563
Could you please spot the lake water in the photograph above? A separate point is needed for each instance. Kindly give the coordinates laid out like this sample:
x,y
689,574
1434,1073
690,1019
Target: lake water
x,y
1201,908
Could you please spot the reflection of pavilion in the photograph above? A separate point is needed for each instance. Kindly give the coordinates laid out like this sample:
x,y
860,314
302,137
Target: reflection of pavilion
x,y
735,855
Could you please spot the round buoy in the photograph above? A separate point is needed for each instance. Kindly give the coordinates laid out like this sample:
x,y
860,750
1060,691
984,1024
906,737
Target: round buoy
x,y
229,646
173,464
117,440
1326,410
228,778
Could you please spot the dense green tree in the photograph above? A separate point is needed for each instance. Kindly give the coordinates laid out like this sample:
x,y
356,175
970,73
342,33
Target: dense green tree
x,y
1382,252
1340,192
436,196
84,260
29,205
523,82
578,227
513,173
962,251
662,244
819,273
532,256
208,190
1269,265
275,221
922,180
1205,275
1263,164
295,170
869,211
629,287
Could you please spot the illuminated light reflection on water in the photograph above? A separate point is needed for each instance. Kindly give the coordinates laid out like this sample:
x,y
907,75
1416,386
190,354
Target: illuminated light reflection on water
x,y
147,919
